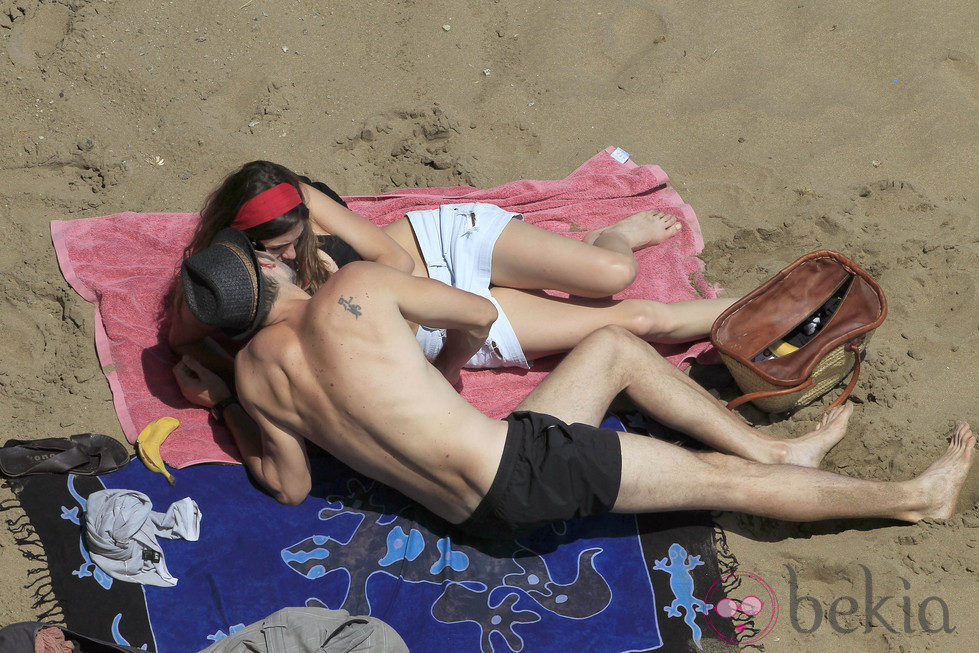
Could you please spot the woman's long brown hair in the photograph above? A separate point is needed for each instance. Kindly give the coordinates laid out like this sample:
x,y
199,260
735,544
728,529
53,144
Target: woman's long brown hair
x,y
223,205
220,209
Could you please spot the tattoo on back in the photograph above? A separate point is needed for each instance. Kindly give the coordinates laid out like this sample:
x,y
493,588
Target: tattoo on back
x,y
348,305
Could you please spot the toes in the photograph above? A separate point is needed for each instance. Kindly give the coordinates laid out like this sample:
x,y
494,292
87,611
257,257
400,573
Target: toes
x,y
958,442
842,412
963,436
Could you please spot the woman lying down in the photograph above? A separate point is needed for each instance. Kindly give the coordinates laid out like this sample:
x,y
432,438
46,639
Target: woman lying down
x,y
306,232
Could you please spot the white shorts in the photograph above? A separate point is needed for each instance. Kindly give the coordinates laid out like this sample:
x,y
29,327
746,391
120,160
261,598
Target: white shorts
x,y
457,241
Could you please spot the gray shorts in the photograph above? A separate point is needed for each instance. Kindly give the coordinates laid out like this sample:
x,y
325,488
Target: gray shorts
x,y
457,241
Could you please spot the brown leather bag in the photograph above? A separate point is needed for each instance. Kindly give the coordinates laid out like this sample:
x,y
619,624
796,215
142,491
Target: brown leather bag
x,y
779,306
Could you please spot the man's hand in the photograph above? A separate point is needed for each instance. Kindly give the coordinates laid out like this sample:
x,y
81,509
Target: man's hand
x,y
459,347
198,384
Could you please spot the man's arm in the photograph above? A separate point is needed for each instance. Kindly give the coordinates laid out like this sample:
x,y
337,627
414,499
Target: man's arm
x,y
277,459
466,317
189,336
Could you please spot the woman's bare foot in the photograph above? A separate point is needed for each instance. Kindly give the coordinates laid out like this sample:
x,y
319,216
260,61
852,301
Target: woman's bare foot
x,y
939,485
808,450
639,230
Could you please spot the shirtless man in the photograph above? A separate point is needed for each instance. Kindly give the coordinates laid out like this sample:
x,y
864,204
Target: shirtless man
x,y
344,371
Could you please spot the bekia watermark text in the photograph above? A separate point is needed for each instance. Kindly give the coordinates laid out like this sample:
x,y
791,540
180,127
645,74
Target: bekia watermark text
x,y
891,612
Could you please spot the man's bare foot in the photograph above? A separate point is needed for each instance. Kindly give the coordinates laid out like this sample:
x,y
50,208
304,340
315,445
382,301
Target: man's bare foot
x,y
939,485
642,229
809,449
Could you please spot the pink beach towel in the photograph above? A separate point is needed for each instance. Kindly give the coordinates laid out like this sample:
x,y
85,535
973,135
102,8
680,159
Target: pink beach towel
x,y
124,263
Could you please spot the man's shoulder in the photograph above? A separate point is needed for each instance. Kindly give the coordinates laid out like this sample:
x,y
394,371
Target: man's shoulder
x,y
270,343
359,276
361,271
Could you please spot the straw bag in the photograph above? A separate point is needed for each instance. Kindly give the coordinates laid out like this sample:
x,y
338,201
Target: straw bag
x,y
799,334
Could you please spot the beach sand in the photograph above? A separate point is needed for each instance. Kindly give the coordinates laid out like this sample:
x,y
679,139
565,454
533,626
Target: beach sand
x,y
788,126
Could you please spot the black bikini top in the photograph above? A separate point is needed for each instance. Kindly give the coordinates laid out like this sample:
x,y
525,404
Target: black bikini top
x,y
333,246
338,250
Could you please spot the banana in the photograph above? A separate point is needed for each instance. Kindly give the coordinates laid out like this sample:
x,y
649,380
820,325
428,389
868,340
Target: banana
x,y
149,441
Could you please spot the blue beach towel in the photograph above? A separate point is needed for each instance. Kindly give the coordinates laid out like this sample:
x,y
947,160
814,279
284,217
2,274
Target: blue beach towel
x,y
587,584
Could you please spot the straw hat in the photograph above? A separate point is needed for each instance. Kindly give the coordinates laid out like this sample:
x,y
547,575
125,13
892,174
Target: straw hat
x,y
223,285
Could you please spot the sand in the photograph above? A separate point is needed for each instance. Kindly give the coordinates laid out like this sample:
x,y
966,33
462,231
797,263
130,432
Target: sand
x,y
789,126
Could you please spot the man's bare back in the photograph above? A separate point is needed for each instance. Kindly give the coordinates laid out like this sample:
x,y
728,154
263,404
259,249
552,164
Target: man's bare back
x,y
344,371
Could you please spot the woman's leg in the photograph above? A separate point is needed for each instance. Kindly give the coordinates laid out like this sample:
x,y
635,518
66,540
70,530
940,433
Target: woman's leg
x,y
638,230
532,258
547,325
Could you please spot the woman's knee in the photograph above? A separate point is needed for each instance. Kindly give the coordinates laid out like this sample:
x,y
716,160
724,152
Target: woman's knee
x,y
613,274
621,273
648,319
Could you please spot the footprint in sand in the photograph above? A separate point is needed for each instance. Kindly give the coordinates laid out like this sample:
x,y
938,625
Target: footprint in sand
x,y
36,29
965,69
402,148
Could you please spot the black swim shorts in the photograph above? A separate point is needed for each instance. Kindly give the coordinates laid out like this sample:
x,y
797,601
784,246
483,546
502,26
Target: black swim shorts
x,y
550,471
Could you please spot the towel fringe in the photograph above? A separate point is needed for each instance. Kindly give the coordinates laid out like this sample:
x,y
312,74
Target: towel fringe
x,y
11,522
36,570
19,526
44,598
46,606
34,556
728,564
8,504
54,614
31,540
43,594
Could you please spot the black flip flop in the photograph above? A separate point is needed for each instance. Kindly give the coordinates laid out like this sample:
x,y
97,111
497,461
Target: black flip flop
x,y
105,454
86,454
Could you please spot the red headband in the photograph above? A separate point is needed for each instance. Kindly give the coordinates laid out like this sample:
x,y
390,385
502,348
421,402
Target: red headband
x,y
267,205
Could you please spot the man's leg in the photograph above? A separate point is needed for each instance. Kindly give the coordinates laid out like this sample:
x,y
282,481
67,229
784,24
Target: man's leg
x,y
657,476
612,360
